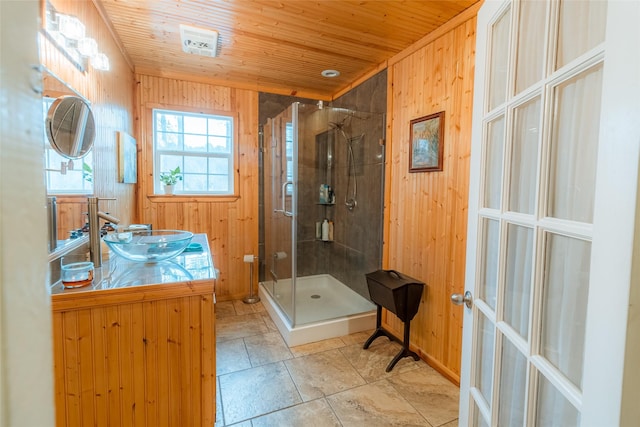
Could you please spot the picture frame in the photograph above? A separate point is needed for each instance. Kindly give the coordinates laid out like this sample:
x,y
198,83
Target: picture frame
x,y
127,158
427,143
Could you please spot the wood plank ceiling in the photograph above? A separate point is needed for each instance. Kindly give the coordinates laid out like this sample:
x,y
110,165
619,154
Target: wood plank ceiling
x,y
275,46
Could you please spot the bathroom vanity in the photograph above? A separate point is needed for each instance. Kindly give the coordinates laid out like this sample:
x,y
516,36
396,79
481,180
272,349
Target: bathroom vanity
x,y
137,347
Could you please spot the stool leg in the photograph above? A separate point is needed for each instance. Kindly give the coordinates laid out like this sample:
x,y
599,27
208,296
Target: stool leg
x,y
405,352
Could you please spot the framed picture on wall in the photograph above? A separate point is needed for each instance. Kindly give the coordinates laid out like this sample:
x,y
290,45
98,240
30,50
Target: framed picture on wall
x,y
127,159
427,141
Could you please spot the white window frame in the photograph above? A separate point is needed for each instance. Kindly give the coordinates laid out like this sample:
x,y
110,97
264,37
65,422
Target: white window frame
x,y
229,156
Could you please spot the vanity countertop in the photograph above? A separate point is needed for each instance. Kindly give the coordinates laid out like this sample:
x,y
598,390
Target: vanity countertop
x,y
120,280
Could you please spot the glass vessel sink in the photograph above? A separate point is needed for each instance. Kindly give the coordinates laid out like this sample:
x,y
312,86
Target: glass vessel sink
x,y
148,245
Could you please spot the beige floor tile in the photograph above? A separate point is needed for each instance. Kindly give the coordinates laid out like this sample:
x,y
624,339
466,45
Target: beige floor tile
x,y
357,338
256,391
372,363
322,374
243,308
373,405
229,328
316,413
224,309
269,322
317,347
453,423
430,393
267,348
231,356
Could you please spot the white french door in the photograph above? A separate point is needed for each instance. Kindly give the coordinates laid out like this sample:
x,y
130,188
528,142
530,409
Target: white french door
x,y
541,345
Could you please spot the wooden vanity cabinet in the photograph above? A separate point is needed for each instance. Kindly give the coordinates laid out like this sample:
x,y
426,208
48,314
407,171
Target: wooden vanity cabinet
x,y
135,356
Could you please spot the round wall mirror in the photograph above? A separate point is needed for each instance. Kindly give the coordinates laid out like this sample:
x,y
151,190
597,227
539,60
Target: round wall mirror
x,y
70,126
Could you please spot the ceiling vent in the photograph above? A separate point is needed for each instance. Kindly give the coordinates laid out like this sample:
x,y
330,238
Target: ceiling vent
x,y
199,41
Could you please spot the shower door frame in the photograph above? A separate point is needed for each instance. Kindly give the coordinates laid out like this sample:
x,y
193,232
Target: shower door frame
x,y
280,183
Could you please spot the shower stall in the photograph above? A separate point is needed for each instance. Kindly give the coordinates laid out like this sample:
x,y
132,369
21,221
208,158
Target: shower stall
x,y
323,171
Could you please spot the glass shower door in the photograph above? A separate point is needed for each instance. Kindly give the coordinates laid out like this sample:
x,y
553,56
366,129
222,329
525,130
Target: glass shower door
x,y
280,207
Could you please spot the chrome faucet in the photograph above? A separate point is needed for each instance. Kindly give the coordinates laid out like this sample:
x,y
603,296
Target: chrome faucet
x,y
94,230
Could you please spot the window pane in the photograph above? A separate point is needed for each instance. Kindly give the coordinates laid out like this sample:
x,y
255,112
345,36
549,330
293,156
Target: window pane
x,y
554,410
220,127
218,183
219,166
168,163
195,165
493,163
168,141
574,146
489,264
530,43
166,122
513,381
197,125
524,157
564,303
582,26
219,144
518,280
499,60
195,142
484,358
195,183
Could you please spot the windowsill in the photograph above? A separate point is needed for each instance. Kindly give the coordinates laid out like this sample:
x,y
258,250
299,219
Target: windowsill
x,y
191,198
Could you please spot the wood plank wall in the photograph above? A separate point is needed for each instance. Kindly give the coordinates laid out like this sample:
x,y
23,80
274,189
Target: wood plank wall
x,y
231,223
426,213
111,94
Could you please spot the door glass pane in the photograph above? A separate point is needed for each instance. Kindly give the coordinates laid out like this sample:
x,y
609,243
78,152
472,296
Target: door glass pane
x,y
279,280
518,280
493,163
530,43
489,264
581,27
499,61
554,410
564,303
513,382
574,146
484,358
478,420
524,157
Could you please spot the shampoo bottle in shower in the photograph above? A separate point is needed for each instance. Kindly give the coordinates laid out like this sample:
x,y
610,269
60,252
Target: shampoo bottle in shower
x,y
325,230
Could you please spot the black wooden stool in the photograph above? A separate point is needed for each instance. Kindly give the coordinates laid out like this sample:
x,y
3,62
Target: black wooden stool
x,y
399,294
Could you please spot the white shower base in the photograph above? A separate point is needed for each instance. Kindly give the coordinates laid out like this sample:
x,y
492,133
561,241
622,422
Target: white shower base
x,y
325,308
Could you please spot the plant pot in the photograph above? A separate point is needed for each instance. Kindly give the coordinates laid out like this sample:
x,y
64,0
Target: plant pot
x,y
168,189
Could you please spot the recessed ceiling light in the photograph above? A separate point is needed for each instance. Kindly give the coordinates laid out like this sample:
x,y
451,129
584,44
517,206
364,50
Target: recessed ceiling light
x,y
330,73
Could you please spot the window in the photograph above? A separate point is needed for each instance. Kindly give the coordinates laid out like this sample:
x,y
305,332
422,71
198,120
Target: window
x,y
66,176
201,145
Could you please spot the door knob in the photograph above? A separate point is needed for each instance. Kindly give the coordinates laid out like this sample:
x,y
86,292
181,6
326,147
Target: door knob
x,y
459,299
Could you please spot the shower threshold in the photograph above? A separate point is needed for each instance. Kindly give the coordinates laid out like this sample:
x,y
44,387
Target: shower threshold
x,y
325,308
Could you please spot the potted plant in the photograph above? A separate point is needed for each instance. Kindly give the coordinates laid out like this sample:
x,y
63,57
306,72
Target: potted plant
x,y
169,179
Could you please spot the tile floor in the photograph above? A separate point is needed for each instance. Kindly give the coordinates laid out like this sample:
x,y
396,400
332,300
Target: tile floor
x,y
262,382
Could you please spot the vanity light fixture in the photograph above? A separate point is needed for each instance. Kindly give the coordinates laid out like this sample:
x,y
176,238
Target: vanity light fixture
x,y
330,73
88,47
68,34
